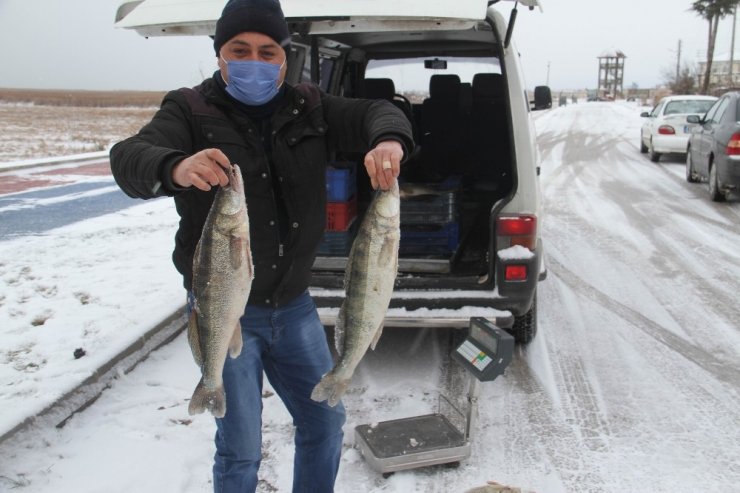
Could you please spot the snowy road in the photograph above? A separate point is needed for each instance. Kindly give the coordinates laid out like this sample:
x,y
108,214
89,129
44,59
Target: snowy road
x,y
631,384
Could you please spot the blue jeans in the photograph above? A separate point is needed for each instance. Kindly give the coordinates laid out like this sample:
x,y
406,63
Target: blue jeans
x,y
289,345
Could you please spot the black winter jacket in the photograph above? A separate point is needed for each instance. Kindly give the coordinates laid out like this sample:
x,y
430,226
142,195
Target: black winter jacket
x,y
307,125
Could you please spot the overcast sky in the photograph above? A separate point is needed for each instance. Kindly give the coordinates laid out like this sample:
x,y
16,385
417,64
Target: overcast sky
x,y
72,44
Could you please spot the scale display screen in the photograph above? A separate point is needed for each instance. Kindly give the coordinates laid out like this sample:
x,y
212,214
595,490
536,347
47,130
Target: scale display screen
x,y
487,350
484,337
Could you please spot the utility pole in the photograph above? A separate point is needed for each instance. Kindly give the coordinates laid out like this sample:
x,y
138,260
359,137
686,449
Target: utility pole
x,y
678,63
732,49
547,81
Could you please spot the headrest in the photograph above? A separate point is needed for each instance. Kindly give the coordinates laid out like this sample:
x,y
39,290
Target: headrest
x,y
444,86
488,86
379,89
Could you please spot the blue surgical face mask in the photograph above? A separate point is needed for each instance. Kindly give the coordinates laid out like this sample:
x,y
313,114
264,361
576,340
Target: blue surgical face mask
x,y
253,82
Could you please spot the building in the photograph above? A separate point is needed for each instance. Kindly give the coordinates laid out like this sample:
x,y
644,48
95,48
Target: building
x,y
721,76
611,74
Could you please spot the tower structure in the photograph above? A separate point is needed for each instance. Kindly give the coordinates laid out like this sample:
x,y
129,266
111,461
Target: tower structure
x,y
611,74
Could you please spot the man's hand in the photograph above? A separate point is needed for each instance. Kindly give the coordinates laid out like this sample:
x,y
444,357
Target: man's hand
x,y
202,170
383,163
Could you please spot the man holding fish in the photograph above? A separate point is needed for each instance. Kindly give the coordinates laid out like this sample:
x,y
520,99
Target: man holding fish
x,y
279,136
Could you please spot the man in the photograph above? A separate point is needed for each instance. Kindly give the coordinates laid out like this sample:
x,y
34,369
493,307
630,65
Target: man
x,y
280,136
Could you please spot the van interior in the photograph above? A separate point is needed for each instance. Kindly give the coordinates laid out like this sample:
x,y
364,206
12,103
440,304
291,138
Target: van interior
x,y
455,98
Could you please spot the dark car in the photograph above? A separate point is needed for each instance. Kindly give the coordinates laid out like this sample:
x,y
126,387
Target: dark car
x,y
713,152
542,98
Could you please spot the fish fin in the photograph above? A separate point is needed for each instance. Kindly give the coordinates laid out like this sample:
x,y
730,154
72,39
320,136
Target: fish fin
x,y
235,346
213,400
339,331
236,248
196,260
194,338
330,388
378,333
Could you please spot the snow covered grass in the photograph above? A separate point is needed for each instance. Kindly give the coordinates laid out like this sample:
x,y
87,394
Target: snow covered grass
x,y
44,130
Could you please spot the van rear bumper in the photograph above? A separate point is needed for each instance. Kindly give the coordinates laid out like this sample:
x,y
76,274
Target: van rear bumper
x,y
431,309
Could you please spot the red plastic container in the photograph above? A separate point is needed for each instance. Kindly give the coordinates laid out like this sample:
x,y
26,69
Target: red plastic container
x,y
339,215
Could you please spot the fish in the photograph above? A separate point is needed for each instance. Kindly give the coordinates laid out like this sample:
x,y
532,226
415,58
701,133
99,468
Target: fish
x,y
408,190
222,279
371,271
494,487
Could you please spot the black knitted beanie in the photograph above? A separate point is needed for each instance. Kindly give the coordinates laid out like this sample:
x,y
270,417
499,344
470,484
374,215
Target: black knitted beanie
x,y
262,16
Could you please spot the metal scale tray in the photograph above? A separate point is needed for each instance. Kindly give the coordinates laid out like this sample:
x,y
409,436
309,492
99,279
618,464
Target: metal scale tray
x,y
431,439
413,442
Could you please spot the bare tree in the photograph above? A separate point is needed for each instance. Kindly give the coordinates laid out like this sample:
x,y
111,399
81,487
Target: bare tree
x,y
712,11
681,82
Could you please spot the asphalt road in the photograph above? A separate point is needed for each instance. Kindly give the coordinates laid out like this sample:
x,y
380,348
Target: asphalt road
x,y
33,201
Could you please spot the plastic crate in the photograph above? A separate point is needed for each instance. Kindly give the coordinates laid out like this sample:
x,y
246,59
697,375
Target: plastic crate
x,y
341,182
439,206
339,215
429,239
337,243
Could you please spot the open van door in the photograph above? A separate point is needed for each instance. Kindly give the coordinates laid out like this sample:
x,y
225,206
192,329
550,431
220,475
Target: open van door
x,y
198,17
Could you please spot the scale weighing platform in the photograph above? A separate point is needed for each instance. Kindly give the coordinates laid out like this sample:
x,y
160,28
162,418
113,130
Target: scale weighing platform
x,y
420,441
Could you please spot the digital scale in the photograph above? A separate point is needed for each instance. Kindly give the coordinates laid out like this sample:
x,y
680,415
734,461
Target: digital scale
x,y
432,439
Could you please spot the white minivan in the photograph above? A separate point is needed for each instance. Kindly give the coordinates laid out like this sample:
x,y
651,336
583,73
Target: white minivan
x,y
470,216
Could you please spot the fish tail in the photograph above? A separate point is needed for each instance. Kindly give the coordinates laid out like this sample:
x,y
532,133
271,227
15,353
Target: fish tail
x,y
213,400
330,388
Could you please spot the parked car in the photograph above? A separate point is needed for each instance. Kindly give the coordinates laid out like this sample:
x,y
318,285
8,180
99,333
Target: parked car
x,y
472,243
665,129
713,152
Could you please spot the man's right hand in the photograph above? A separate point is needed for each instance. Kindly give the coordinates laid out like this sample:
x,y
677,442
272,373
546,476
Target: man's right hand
x,y
202,170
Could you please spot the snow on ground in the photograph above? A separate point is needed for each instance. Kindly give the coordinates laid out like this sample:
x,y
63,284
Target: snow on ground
x,y
96,285
631,384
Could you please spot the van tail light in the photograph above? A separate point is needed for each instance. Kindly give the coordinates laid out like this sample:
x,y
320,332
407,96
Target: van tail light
x,y
733,146
666,130
515,272
517,230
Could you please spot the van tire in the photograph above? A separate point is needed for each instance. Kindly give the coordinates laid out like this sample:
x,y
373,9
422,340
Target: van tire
x,y
525,326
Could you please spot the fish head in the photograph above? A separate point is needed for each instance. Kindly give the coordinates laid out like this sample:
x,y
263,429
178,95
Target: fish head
x,y
389,202
232,199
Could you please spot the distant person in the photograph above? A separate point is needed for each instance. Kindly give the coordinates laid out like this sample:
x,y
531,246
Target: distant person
x,y
280,135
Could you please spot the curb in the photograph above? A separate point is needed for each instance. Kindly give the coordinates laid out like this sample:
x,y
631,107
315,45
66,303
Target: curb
x,y
32,163
87,392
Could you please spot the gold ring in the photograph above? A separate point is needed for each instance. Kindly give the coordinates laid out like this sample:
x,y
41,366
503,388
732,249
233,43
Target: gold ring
x,y
386,165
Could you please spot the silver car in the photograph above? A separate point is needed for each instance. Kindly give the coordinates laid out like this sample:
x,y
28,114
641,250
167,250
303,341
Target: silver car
x,y
713,152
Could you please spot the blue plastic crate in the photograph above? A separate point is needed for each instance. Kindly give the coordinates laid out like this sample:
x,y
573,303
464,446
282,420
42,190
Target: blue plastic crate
x,y
337,243
429,239
341,182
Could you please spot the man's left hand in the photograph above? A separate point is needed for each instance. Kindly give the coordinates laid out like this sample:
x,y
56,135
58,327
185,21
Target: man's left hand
x,y
383,163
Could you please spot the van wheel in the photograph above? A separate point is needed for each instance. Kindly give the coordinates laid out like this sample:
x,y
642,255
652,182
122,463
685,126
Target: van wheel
x,y
525,326
714,191
654,156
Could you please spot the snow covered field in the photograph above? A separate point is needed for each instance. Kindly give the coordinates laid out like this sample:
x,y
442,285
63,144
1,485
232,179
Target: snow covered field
x,y
631,384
